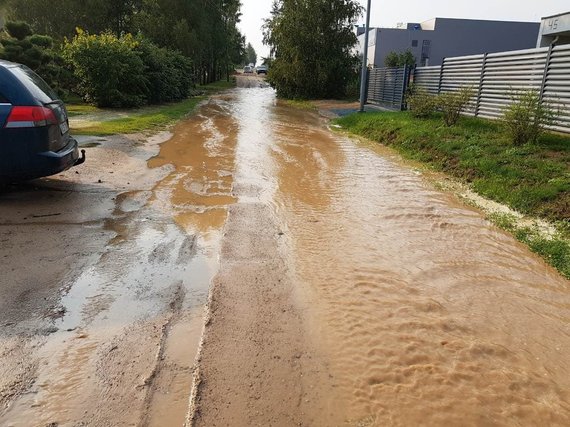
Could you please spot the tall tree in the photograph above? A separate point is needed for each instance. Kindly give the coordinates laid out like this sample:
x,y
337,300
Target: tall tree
x,y
312,43
60,19
250,55
204,30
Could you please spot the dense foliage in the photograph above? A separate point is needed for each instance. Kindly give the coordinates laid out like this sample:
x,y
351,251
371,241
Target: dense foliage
x,y
203,30
125,71
250,55
109,68
312,43
19,44
169,73
395,59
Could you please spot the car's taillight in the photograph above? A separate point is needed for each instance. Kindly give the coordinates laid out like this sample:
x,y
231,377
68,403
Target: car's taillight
x,y
30,117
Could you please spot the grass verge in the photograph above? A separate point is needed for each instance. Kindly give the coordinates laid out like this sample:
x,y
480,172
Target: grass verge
x,y
555,249
300,104
101,122
78,109
531,179
140,120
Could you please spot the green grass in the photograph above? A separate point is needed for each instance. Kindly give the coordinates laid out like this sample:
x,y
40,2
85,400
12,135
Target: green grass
x,y
78,109
554,249
300,103
532,179
142,119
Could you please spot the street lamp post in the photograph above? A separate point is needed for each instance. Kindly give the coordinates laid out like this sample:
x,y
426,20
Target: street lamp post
x,y
365,60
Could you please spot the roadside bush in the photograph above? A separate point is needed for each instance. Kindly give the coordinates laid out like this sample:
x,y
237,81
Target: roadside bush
x,y
127,71
526,118
18,29
453,103
110,71
169,73
19,44
421,103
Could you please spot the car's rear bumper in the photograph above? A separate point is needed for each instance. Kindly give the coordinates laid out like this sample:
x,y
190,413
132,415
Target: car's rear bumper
x,y
45,164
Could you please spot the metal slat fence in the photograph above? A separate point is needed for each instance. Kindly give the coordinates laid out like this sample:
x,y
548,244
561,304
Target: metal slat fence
x,y
387,86
495,77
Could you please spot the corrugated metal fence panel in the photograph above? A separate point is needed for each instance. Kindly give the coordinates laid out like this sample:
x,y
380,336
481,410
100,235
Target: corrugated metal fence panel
x,y
386,86
557,85
463,71
428,78
496,77
506,73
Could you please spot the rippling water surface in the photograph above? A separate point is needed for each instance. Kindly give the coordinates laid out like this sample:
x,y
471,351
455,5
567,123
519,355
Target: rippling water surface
x,y
430,314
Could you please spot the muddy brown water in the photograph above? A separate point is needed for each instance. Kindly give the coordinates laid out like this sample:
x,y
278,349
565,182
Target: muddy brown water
x,y
429,314
425,313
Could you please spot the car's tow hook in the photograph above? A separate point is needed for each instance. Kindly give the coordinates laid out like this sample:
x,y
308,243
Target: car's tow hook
x,y
80,160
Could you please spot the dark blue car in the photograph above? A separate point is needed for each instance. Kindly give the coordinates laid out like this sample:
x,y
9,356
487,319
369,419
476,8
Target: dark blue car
x,y
34,129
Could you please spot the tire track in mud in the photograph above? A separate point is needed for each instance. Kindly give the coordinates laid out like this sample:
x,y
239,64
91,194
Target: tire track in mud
x,y
124,349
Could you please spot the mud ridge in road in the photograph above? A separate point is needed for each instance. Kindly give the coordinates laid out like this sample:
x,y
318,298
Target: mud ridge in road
x,y
259,367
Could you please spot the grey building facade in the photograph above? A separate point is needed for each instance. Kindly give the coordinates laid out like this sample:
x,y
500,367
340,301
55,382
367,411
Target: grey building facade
x,y
433,40
554,29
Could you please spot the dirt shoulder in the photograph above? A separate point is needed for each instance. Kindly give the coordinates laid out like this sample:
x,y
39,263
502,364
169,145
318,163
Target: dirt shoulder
x,y
75,306
257,365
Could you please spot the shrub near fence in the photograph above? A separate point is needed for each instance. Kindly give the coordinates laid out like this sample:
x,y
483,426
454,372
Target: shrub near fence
x,y
494,77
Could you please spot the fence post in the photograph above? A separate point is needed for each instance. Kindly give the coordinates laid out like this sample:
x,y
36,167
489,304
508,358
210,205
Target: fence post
x,y
407,74
546,69
440,76
480,89
367,86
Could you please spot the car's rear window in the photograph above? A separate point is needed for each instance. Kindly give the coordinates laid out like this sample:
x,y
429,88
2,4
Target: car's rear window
x,y
35,84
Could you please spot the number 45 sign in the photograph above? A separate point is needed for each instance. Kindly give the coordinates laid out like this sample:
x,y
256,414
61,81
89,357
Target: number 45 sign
x,y
556,24
552,24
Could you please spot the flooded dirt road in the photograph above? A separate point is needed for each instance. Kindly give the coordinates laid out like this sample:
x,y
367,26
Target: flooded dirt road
x,y
401,306
255,268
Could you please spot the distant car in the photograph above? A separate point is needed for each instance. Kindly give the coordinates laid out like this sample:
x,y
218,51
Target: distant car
x,y
262,69
247,70
34,128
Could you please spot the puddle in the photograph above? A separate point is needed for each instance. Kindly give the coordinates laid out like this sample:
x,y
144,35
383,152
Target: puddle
x,y
131,323
196,195
443,318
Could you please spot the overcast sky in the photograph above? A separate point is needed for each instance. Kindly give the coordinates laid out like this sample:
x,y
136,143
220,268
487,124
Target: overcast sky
x,y
386,13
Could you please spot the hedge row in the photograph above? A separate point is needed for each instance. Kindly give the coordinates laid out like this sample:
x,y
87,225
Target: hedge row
x,y
127,71
106,70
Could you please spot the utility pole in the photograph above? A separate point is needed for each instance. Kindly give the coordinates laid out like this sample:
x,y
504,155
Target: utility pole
x,y
365,60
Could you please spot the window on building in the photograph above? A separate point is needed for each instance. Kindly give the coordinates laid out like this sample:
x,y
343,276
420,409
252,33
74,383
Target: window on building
x,y
414,43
